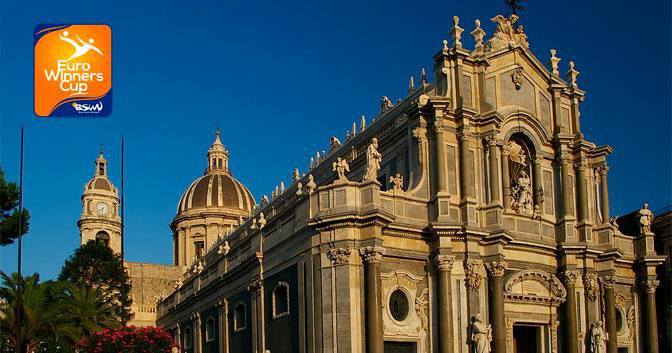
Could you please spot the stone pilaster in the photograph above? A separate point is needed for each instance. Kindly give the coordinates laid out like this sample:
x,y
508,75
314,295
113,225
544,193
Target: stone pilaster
x,y
441,162
256,289
648,287
372,256
604,194
196,321
538,184
494,169
566,187
497,270
444,265
506,178
569,279
466,170
223,327
582,186
608,283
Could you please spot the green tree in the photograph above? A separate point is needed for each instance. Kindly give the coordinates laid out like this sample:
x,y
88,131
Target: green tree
x,y
9,213
95,265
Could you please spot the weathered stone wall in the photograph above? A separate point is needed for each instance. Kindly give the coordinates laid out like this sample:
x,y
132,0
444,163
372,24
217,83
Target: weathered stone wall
x,y
149,282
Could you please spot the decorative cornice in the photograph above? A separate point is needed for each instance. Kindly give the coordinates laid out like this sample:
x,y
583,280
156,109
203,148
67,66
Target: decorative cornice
x,y
496,268
339,256
372,254
444,262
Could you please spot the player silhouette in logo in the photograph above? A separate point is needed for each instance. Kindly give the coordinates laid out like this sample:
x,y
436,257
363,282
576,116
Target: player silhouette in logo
x,y
80,49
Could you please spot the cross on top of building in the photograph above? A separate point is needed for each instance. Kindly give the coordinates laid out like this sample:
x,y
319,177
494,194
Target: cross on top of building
x,y
514,6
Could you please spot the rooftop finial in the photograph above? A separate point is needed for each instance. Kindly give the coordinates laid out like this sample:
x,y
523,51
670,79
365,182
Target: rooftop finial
x,y
514,6
478,33
572,74
362,123
456,32
101,151
411,86
423,77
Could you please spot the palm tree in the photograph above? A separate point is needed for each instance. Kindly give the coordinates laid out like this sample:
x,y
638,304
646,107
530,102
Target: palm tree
x,y
53,313
41,317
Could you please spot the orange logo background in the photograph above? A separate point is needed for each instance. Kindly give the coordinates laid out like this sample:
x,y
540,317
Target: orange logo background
x,y
66,76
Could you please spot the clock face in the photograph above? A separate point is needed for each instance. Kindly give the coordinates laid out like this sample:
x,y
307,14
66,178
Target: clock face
x,y
102,208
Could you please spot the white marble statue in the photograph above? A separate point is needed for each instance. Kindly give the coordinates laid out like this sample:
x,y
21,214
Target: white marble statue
x,y
373,158
522,195
334,143
481,335
340,167
598,338
397,182
645,218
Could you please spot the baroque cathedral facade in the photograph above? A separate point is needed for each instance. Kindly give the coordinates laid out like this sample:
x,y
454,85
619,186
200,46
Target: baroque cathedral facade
x,y
471,215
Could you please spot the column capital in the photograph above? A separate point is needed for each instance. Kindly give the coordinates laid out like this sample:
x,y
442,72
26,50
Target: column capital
x,y
339,256
608,281
463,136
570,277
473,274
602,170
581,164
372,253
492,140
221,304
496,268
590,285
563,159
649,285
196,317
256,284
444,262
537,160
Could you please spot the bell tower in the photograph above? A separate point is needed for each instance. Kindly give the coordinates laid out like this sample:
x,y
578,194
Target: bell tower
x,y
100,218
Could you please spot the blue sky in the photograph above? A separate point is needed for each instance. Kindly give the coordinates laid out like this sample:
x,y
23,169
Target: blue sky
x,y
282,77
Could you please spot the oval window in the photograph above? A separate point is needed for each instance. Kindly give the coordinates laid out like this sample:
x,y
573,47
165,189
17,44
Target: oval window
x,y
399,305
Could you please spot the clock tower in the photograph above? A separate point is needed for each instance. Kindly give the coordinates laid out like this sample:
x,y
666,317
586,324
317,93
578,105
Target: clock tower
x,y
100,209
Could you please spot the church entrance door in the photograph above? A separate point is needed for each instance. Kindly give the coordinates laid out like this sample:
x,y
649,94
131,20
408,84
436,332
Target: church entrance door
x,y
527,339
400,347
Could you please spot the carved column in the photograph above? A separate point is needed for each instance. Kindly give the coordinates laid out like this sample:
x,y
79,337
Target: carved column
x,y
223,327
256,289
604,194
373,255
466,170
506,178
497,270
441,164
608,283
538,184
494,169
177,340
197,344
569,279
566,186
582,199
444,265
651,321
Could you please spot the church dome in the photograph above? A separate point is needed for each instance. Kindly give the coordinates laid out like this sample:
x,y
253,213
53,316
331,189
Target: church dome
x,y
217,188
99,184
100,181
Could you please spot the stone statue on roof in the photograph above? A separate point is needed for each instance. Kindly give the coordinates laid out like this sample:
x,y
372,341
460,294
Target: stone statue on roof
x,y
507,33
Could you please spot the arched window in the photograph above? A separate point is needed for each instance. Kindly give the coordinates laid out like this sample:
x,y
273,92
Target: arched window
x,y
239,317
210,332
103,237
522,175
281,300
188,338
199,248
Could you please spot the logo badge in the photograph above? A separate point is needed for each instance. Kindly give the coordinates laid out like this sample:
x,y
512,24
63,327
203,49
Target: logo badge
x,y
73,70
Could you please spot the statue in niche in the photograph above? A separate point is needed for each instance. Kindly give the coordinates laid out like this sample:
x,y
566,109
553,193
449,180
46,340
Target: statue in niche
x,y
481,335
340,167
521,191
598,338
373,158
645,218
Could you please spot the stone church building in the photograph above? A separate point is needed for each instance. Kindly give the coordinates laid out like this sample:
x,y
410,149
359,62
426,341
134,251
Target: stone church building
x,y
470,215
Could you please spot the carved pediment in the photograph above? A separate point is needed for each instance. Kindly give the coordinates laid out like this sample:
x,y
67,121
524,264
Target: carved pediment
x,y
534,286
